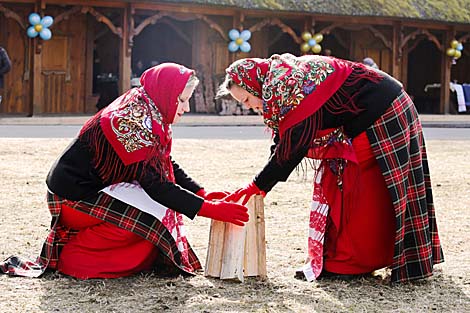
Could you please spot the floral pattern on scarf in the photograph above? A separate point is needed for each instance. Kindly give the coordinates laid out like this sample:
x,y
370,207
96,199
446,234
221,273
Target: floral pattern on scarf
x,y
285,82
132,124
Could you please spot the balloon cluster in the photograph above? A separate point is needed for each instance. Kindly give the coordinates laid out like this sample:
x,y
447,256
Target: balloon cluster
x,y
239,40
455,50
39,26
311,42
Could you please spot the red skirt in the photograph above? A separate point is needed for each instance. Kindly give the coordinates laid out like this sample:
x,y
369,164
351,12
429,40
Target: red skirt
x,y
101,249
366,238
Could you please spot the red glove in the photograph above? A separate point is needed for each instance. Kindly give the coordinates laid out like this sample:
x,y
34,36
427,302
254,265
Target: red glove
x,y
247,191
225,212
215,195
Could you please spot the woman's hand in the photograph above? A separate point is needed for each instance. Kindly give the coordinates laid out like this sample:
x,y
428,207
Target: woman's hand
x,y
214,195
247,191
225,212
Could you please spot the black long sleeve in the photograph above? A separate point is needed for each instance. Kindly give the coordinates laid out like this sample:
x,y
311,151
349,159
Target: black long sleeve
x,y
171,195
183,179
275,171
73,177
372,98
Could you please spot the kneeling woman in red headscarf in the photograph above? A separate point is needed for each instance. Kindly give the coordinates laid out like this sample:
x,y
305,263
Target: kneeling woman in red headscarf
x,y
372,203
116,196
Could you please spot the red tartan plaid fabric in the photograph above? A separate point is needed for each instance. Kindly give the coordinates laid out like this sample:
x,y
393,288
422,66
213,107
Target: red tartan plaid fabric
x,y
116,212
398,145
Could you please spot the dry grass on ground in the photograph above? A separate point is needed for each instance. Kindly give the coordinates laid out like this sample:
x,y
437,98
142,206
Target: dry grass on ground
x,y
218,164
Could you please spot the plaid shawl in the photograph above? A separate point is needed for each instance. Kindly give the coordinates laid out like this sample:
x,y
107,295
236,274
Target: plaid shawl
x,y
397,142
118,213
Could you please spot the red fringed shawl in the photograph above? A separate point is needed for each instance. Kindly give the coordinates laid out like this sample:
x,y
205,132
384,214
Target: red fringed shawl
x,y
136,126
293,89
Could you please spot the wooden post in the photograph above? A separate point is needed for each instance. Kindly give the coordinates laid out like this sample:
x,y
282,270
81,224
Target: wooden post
x,y
236,252
396,51
38,103
446,64
89,106
125,53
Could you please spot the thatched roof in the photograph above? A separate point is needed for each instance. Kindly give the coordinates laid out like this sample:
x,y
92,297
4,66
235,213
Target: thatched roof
x,y
453,11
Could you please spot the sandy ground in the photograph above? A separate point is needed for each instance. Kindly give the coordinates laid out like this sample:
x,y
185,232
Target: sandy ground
x,y
226,165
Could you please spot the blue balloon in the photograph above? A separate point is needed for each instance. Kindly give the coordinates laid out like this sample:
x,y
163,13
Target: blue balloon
x,y
47,21
245,35
31,32
312,42
233,34
245,47
45,34
232,46
34,19
460,47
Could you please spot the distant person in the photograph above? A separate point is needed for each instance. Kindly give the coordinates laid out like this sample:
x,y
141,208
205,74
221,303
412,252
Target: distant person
x,y
5,67
138,69
370,62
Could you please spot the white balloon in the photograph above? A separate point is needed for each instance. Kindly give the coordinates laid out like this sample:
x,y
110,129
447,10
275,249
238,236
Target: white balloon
x,y
47,21
34,19
245,35
245,47
45,34
31,32
232,46
233,34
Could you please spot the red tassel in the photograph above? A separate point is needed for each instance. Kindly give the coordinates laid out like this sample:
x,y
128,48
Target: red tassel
x,y
110,167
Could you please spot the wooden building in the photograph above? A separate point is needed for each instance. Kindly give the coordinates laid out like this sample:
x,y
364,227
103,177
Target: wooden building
x,y
96,45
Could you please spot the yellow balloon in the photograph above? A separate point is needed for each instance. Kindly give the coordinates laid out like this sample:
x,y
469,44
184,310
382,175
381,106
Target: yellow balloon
x,y
238,41
306,36
457,54
318,37
38,27
450,52
316,48
454,43
304,47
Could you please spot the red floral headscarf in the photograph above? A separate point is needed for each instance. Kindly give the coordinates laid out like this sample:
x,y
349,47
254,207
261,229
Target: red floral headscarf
x,y
141,117
136,126
284,82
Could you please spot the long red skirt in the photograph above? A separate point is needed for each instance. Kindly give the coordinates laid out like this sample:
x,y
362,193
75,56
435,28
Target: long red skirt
x,y
102,250
366,238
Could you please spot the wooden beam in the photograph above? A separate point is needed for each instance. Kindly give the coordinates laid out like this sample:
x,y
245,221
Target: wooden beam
x,y
446,65
125,53
89,106
396,57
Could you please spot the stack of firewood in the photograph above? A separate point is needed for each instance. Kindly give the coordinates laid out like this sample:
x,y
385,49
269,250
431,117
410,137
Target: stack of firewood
x,y
236,252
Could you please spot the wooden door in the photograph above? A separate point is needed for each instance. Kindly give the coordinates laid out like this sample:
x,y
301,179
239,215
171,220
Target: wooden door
x,y
54,74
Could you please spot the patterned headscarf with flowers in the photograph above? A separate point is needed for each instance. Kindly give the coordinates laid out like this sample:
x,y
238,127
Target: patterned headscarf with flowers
x,y
137,125
285,81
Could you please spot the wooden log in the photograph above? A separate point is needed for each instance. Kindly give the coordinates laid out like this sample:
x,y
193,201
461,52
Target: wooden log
x,y
214,250
236,252
233,252
251,241
260,236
